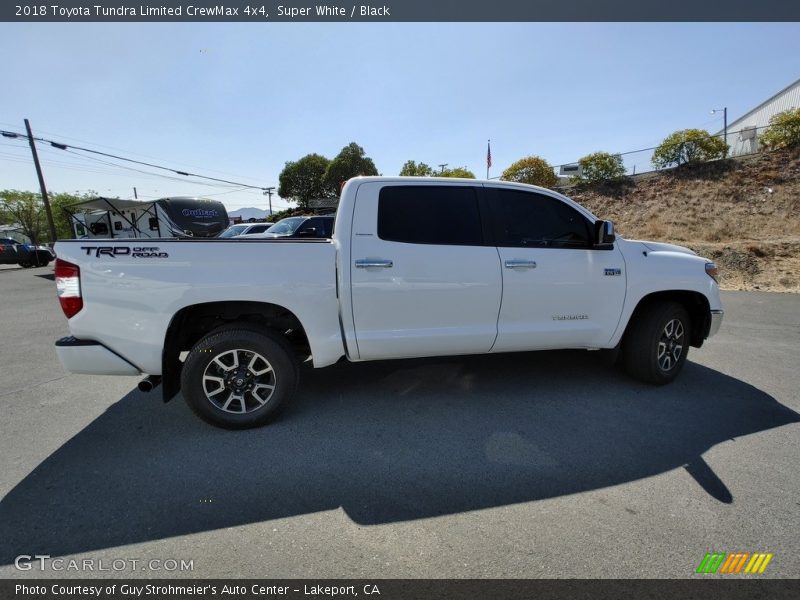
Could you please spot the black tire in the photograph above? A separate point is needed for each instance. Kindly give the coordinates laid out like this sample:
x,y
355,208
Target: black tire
x,y
234,397
657,343
26,264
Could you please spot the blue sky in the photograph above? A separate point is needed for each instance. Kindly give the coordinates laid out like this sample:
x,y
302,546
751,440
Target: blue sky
x,y
237,101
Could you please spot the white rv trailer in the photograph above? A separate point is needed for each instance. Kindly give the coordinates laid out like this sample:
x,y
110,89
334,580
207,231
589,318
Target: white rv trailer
x,y
164,218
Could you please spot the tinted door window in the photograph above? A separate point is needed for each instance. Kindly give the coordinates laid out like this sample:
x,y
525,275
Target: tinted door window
x,y
326,226
312,224
430,215
525,219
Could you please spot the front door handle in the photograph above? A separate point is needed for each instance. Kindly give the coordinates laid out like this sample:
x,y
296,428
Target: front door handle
x,y
371,263
520,264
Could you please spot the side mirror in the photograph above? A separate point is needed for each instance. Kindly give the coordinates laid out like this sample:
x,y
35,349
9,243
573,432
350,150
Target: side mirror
x,y
604,233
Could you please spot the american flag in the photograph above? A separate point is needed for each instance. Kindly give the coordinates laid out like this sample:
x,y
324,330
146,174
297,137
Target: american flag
x,y
488,154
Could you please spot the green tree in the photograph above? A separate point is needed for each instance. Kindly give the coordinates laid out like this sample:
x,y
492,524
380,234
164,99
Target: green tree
x,y
5,216
26,210
457,172
601,166
686,146
533,170
412,169
350,162
783,131
304,180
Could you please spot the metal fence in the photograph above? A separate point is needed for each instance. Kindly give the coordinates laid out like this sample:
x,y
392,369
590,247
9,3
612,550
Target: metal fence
x,y
740,143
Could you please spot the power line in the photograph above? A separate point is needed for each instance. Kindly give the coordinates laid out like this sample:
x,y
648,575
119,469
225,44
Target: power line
x,y
130,152
238,189
169,177
71,166
60,146
79,167
233,191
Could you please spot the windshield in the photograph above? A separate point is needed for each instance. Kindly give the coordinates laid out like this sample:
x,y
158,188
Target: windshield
x,y
233,230
286,226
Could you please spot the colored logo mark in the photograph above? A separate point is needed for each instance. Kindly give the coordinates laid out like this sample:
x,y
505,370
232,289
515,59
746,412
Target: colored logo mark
x,y
736,562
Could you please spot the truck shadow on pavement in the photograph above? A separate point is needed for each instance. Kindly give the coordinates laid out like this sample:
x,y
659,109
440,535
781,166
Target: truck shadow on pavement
x,y
387,442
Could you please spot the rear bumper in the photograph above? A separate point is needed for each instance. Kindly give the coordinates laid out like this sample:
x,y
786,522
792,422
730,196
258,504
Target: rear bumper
x,y
716,321
91,358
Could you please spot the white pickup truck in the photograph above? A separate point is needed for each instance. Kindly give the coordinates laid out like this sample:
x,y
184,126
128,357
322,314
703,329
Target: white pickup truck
x,y
415,267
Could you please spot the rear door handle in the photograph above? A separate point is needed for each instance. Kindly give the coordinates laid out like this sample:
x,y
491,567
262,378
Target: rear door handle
x,y
372,263
520,264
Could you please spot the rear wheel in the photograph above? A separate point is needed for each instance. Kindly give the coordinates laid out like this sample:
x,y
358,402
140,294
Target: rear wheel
x,y
656,345
239,378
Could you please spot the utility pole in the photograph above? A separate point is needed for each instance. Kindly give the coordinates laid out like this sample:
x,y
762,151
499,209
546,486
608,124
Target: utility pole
x,y
135,195
45,199
725,128
724,125
268,192
442,166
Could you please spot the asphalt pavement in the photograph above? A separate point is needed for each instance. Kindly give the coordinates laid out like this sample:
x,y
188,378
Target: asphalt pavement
x,y
520,465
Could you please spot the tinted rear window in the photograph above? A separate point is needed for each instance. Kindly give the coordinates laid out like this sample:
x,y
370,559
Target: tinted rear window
x,y
421,214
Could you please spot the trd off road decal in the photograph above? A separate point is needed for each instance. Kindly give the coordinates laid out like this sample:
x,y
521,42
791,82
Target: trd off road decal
x,y
115,251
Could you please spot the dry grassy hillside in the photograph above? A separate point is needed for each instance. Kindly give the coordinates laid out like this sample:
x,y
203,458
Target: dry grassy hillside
x,y
743,213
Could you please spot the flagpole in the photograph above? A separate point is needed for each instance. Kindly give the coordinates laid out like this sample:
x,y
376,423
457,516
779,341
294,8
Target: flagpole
x,y
488,157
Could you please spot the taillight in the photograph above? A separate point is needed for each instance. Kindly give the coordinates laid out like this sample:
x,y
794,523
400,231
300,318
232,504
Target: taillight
x,y
68,287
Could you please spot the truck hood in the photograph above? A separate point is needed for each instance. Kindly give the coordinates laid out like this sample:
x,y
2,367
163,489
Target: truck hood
x,y
662,247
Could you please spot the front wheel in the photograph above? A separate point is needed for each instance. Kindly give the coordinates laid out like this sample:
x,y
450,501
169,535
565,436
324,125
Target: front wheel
x,y
656,345
239,378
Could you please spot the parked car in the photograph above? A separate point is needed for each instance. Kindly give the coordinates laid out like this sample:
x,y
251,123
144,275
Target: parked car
x,y
234,230
416,267
312,226
256,230
244,229
25,255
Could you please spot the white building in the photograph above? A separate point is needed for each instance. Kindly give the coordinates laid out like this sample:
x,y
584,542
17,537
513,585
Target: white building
x,y
743,133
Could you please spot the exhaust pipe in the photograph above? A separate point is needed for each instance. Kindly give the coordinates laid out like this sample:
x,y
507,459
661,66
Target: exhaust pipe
x,y
149,383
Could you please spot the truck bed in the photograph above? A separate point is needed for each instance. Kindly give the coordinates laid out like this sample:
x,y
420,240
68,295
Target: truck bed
x,y
137,286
